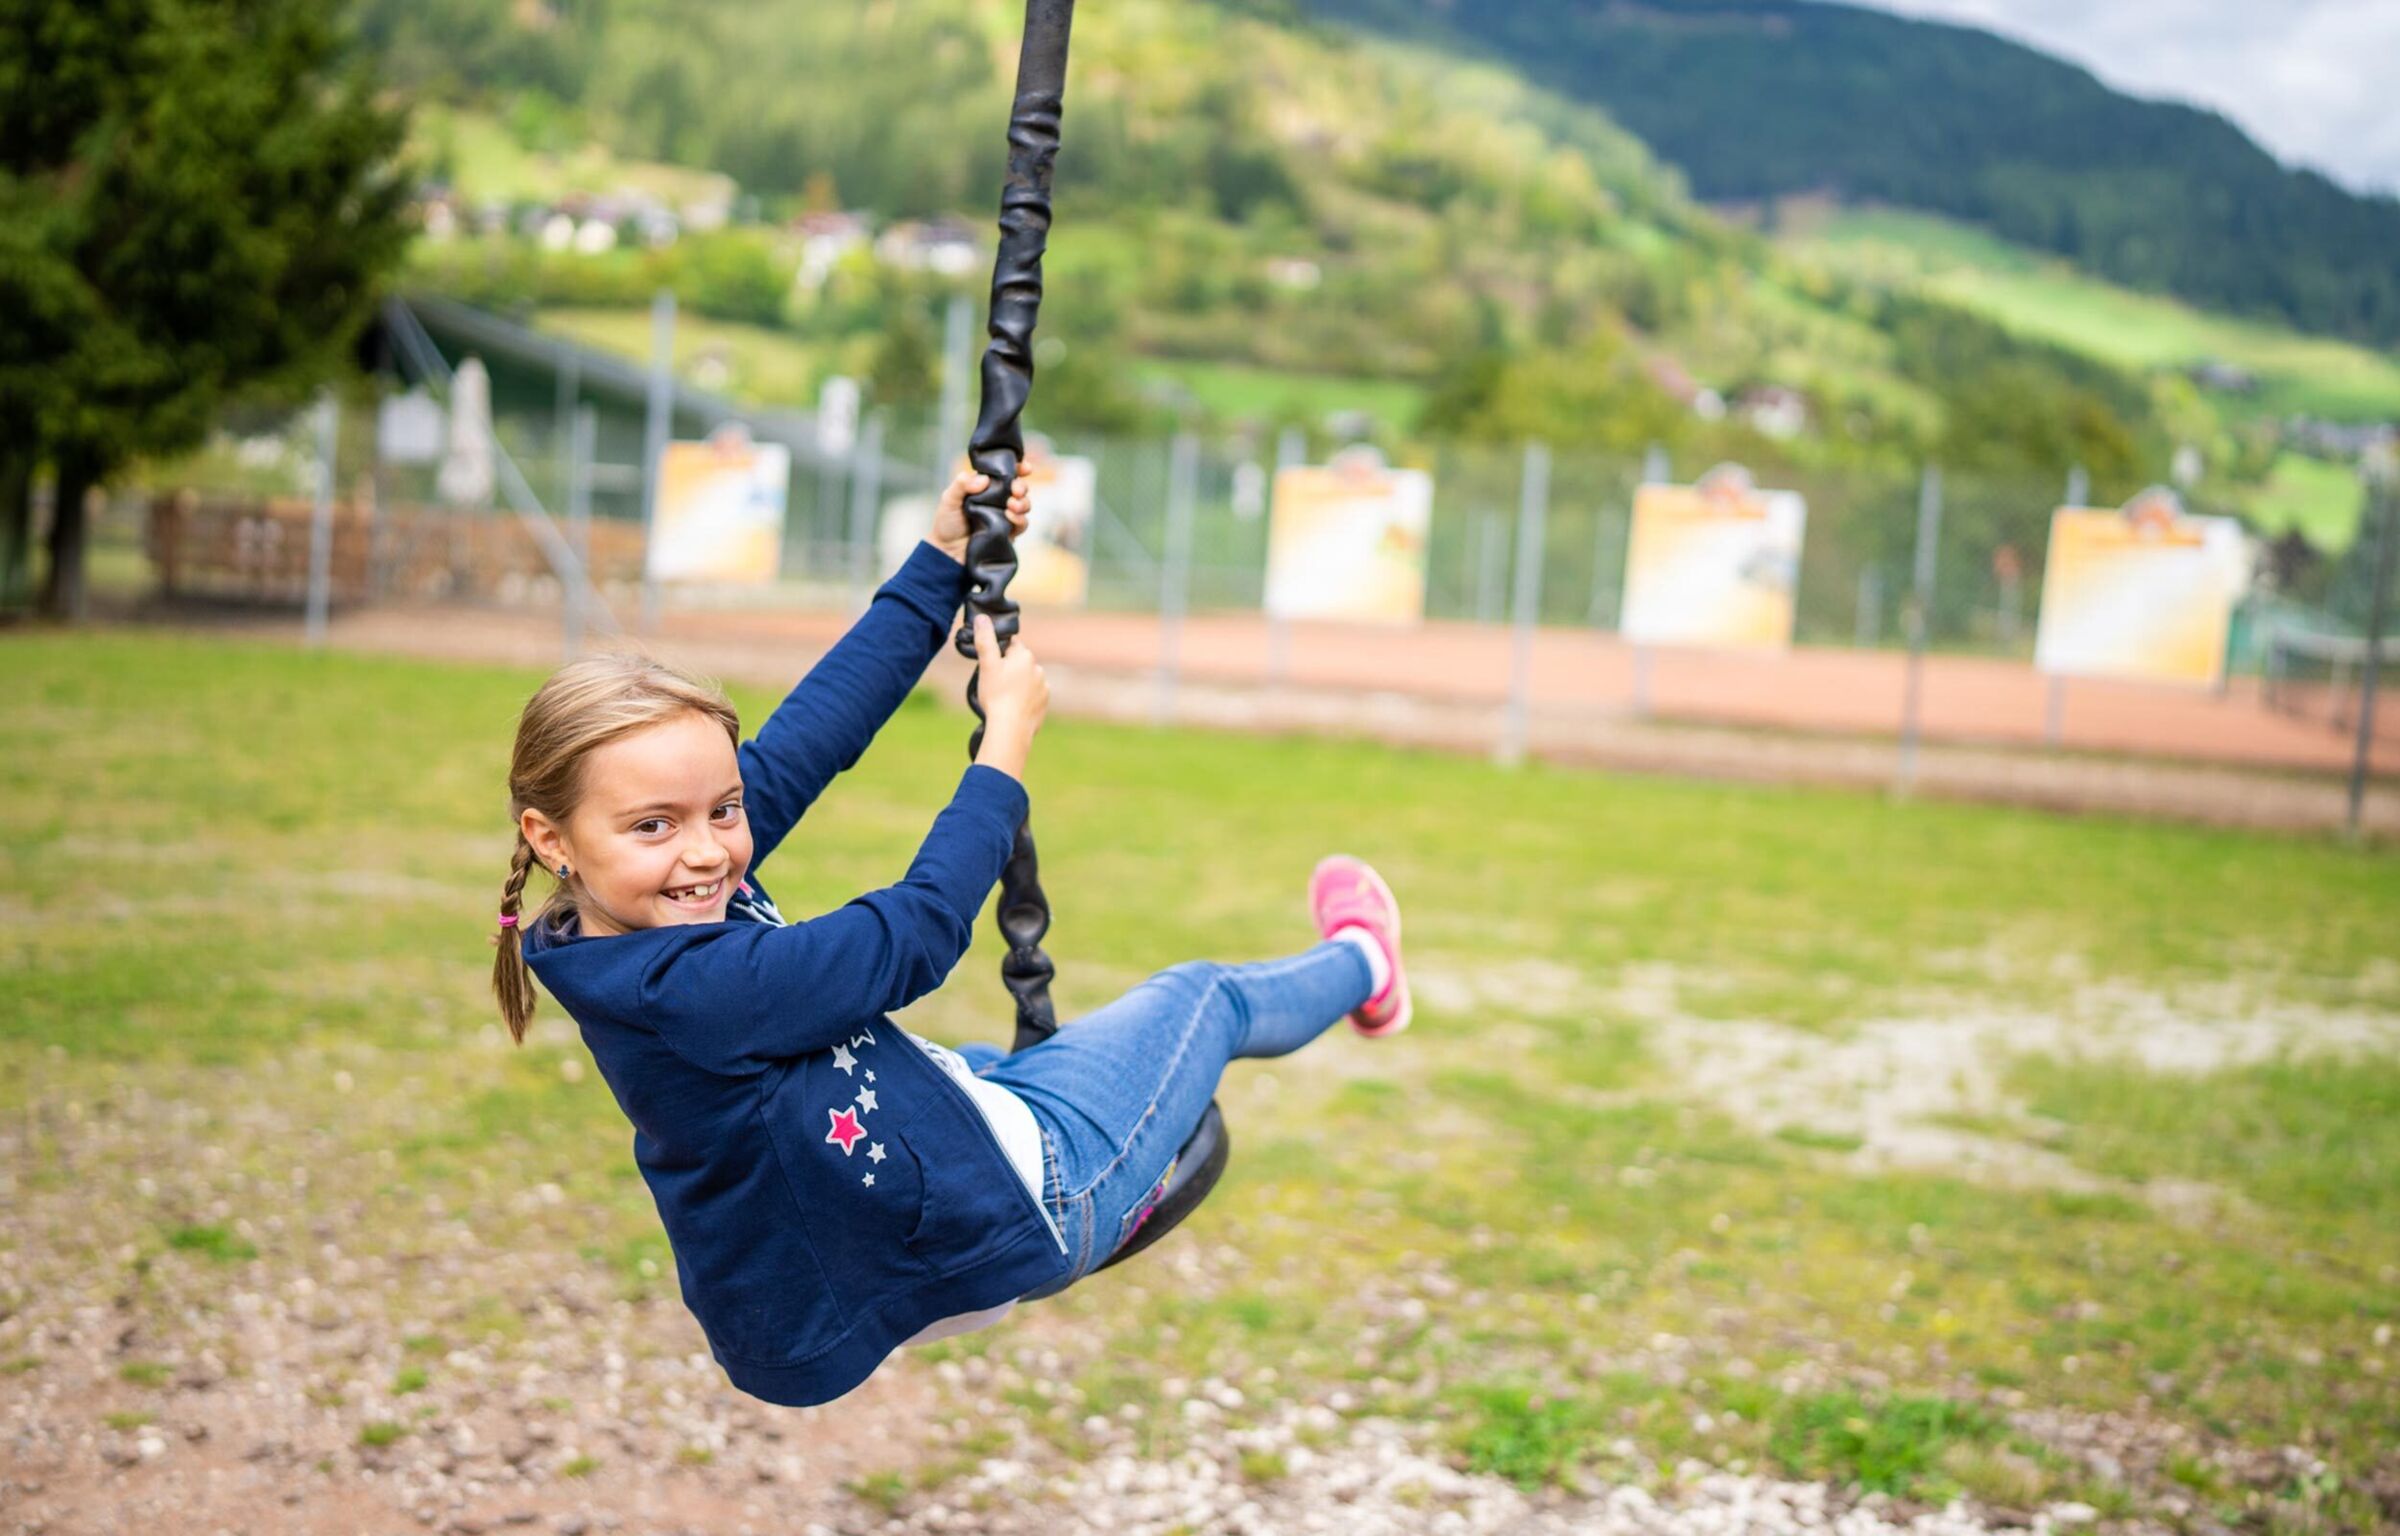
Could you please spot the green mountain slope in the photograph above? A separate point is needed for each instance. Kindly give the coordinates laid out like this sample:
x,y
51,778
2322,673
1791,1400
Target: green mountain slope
x,y
1756,99
1243,198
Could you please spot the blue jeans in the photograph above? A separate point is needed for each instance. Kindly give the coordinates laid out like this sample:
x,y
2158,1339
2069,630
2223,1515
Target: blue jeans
x,y
1118,1092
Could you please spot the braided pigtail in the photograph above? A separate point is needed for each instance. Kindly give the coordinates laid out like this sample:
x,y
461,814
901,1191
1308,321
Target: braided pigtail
x,y
512,979
584,706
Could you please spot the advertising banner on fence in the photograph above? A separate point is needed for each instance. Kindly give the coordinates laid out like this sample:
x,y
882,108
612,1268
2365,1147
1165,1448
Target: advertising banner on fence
x,y
1347,541
1054,563
1713,564
720,510
2146,593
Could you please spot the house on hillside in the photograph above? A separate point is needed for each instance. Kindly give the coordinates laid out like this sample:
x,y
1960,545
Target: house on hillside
x,y
825,238
1773,410
946,247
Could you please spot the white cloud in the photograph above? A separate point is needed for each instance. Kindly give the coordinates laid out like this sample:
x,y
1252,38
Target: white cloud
x,y
2312,80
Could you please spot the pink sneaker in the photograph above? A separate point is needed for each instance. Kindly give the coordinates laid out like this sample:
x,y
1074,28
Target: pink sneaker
x,y
1346,893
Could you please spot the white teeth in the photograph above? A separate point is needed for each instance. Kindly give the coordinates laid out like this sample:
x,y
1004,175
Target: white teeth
x,y
696,892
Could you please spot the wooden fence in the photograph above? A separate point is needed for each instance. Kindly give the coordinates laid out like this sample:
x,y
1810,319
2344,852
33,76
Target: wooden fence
x,y
257,549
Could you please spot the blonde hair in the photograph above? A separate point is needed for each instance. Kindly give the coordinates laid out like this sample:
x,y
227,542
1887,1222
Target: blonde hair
x,y
583,707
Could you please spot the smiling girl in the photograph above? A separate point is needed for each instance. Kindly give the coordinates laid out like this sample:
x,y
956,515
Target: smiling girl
x,y
832,1185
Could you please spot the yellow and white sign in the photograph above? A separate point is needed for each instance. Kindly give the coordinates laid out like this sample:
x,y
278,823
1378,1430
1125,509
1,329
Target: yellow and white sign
x,y
720,510
2146,593
1347,541
1713,564
1054,565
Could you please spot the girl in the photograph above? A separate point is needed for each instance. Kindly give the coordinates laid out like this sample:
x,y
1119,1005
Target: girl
x,y
834,1186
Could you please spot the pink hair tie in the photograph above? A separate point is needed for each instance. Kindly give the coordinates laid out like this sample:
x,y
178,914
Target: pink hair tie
x,y
508,920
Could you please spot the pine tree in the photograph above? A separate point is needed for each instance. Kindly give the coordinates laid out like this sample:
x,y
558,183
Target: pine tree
x,y
197,201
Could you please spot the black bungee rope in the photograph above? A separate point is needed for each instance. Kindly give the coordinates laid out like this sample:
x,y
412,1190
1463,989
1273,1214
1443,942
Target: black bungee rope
x,y
996,451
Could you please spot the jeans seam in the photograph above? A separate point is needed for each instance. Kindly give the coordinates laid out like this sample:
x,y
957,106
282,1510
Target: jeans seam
x,y
1183,1046
1260,972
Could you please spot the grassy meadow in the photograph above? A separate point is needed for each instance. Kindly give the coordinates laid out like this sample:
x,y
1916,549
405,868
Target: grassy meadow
x,y
1934,1150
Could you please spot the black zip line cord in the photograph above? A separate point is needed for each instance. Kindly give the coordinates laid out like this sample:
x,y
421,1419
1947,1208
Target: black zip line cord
x,y
998,448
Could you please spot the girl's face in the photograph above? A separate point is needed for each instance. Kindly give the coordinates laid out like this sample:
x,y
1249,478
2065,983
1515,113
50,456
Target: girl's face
x,y
659,837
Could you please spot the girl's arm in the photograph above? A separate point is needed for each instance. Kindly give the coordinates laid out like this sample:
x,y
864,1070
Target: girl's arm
x,y
734,998
826,724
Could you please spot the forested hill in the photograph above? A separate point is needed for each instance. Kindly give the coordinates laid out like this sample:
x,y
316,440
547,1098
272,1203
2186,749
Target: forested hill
x,y
1758,98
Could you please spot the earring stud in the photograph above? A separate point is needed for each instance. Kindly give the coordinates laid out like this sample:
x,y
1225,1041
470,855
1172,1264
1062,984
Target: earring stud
x,y
562,871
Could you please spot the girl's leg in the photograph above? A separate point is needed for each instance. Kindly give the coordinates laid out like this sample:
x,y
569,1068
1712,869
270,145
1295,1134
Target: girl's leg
x,y
1118,1092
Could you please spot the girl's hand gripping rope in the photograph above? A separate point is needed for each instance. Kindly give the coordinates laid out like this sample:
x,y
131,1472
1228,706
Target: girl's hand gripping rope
x,y
950,518
1015,697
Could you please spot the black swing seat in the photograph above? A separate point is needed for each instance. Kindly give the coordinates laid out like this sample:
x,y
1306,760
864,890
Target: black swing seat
x,y
1197,1168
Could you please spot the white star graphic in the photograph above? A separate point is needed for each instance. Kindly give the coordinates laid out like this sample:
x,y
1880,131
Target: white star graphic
x,y
874,1151
870,1074
869,1181
843,1059
866,1100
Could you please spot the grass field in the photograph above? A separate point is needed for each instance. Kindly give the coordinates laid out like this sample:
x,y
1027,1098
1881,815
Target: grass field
x,y
1934,1150
2050,300
1232,392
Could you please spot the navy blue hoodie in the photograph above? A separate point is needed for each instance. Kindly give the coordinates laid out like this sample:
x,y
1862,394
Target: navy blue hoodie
x,y
828,1190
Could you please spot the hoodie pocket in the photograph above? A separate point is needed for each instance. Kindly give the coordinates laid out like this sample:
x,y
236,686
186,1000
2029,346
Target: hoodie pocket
x,y
859,1183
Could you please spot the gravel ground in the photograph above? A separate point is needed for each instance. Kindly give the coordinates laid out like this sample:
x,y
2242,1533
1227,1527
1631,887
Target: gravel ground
x,y
1375,1479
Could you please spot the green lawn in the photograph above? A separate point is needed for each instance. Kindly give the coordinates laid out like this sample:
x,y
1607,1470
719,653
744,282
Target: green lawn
x,y
1628,1193
1233,392
761,365
2048,299
486,163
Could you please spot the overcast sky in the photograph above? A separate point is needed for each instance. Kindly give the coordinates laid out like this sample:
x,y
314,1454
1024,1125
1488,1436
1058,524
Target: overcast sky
x,y
2315,81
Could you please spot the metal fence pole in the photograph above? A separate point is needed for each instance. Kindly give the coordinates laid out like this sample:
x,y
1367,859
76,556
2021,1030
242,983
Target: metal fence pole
x,y
866,499
1175,569
1657,469
1604,591
958,371
2054,706
657,422
1491,566
1291,450
1920,623
582,439
320,521
562,419
1533,507
2362,758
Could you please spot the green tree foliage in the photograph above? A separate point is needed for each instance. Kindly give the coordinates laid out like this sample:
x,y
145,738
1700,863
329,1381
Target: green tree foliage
x,y
1762,98
196,201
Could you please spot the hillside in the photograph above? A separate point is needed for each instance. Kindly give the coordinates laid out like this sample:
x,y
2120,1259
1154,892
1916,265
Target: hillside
x,y
1758,99
1244,201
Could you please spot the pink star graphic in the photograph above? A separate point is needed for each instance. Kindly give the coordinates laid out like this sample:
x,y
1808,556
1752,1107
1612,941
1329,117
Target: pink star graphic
x,y
846,1129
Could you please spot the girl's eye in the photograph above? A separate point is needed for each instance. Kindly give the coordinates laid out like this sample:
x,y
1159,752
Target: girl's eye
x,y
647,827
730,811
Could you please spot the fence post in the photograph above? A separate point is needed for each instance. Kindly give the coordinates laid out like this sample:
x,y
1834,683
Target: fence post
x,y
1920,623
1868,631
958,368
1533,506
1604,523
866,499
2362,757
320,521
1657,469
1175,568
657,422
1291,449
2054,706
582,438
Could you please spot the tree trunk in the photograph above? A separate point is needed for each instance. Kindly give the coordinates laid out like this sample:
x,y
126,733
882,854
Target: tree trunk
x,y
16,529
67,595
